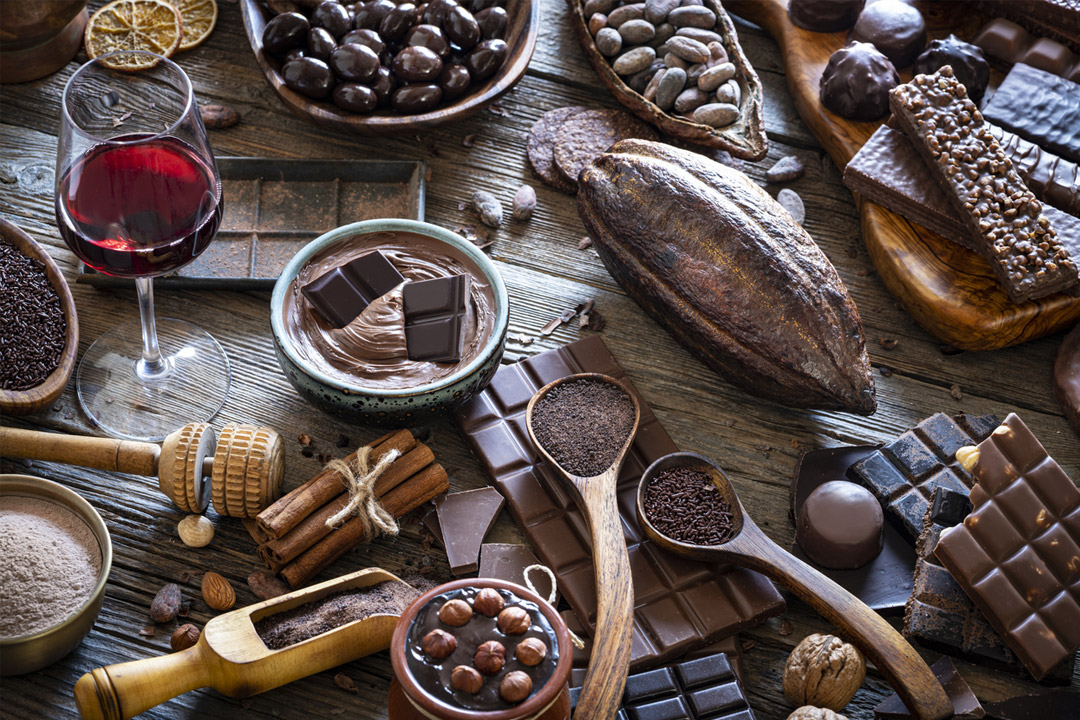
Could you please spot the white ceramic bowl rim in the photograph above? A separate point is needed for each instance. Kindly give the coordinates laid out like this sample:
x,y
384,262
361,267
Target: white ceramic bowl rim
x,y
366,227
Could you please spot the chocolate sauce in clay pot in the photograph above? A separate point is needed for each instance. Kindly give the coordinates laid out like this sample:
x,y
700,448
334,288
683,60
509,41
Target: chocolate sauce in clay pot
x,y
480,648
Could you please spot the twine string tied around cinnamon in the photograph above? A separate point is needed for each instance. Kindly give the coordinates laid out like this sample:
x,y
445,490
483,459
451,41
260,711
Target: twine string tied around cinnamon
x,y
359,480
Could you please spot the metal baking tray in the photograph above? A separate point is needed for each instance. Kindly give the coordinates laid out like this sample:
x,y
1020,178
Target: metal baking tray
x,y
275,207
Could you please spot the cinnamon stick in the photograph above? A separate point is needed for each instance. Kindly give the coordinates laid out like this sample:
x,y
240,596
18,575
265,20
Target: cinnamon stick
x,y
421,488
288,512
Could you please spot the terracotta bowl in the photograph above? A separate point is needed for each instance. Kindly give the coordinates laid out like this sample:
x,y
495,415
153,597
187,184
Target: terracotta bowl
x,y
35,399
520,37
381,406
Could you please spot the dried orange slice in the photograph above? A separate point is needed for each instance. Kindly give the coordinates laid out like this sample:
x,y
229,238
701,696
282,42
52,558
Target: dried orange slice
x,y
152,25
199,18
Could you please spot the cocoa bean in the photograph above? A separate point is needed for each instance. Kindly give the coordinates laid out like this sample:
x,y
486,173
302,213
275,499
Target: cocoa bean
x,y
597,23
633,61
717,54
664,32
673,60
598,6
656,11
626,13
702,36
524,203
688,49
716,114
729,93
637,32
694,72
608,41
266,586
786,168
716,76
488,208
690,100
639,81
654,84
692,16
166,604
791,202
670,86
218,117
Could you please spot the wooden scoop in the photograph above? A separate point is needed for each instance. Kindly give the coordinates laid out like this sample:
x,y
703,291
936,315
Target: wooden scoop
x,y
750,547
231,658
605,678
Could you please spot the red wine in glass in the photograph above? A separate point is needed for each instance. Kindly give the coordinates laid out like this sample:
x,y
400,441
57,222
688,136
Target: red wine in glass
x,y
141,209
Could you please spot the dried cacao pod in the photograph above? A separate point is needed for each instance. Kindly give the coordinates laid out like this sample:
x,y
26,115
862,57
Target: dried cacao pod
x,y
727,271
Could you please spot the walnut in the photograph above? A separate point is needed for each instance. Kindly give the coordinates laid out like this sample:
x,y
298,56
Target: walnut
x,y
809,712
823,671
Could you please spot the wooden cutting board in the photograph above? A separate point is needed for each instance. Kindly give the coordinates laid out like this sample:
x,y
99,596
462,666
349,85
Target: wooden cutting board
x,y
948,289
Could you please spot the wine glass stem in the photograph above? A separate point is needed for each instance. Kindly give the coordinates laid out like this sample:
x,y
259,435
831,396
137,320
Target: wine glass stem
x,y
151,366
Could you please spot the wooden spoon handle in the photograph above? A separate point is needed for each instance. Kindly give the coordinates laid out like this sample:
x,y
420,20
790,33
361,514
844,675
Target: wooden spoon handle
x,y
884,646
126,456
122,691
605,679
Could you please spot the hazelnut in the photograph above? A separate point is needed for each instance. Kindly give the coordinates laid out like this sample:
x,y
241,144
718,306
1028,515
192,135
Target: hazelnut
x,y
488,602
515,687
455,613
809,712
514,621
438,644
466,679
195,530
823,671
184,637
490,657
530,651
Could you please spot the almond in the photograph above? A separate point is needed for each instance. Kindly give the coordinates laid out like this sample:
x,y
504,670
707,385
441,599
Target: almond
x,y
217,592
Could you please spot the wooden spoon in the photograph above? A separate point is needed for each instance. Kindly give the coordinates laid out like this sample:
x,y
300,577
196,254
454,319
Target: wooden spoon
x,y
605,678
750,547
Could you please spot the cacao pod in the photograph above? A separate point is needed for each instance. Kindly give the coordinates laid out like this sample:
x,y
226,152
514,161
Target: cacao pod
x,y
729,273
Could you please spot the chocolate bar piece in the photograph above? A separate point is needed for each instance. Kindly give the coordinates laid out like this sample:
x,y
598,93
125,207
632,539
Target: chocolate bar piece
x,y
508,562
1003,218
885,583
1040,107
341,294
464,519
434,317
888,170
1037,706
679,604
1010,43
1017,555
965,705
904,473
689,690
1059,19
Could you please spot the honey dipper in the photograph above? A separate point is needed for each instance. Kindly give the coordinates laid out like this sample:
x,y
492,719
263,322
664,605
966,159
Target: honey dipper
x,y
241,469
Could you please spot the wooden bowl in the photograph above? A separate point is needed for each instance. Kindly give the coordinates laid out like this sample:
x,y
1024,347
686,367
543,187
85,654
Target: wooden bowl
x,y
745,138
520,37
35,399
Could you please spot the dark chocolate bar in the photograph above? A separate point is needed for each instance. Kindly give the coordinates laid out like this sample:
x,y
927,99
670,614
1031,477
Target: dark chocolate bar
x,y
434,317
1017,555
1008,42
341,294
689,690
904,473
1040,107
680,605
1059,19
1003,218
965,705
508,562
1037,706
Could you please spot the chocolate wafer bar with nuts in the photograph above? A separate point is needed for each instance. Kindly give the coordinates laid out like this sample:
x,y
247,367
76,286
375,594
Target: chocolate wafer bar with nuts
x,y
1003,217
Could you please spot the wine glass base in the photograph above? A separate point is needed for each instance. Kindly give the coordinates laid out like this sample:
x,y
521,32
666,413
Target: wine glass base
x,y
192,388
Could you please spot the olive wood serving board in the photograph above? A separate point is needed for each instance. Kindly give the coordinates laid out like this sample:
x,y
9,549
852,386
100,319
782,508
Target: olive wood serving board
x,y
949,290
745,138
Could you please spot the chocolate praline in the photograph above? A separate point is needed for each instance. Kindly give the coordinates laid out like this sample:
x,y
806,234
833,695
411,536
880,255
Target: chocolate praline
x,y
856,82
893,27
967,61
824,15
840,526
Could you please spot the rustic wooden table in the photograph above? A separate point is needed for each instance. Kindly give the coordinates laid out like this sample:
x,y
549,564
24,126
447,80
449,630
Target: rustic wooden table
x,y
756,442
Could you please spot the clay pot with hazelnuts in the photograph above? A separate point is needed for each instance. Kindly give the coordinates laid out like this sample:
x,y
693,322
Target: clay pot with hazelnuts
x,y
480,648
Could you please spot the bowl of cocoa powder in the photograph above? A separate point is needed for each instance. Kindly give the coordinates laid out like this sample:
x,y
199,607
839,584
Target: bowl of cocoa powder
x,y
56,555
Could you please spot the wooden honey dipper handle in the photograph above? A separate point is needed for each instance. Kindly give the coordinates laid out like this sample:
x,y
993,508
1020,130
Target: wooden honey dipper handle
x,y
126,456
122,691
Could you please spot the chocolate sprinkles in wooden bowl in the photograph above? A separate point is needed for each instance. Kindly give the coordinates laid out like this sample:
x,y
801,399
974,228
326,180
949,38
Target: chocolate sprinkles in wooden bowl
x,y
32,324
685,505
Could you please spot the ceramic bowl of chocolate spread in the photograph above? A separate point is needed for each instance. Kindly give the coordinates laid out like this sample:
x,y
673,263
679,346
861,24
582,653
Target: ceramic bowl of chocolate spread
x,y
383,321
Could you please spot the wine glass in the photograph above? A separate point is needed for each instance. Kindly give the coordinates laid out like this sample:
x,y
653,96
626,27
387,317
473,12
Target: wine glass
x,y
138,195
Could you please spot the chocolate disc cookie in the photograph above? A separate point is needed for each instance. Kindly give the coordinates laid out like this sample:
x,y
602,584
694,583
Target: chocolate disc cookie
x,y
587,134
1067,377
542,142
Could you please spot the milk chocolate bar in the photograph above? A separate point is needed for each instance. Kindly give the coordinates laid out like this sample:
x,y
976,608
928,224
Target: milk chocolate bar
x,y
343,293
706,688
965,705
1008,42
434,317
1040,107
1003,218
1017,555
1059,19
464,519
904,473
680,605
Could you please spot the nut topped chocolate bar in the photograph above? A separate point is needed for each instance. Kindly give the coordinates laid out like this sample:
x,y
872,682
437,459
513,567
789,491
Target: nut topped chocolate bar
x,y
1003,217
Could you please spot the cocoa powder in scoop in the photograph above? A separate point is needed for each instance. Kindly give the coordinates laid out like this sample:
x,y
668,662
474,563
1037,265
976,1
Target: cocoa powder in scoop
x,y
583,424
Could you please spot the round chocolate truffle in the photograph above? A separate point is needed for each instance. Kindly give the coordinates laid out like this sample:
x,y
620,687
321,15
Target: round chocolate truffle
x,y
967,61
857,81
893,27
824,15
840,526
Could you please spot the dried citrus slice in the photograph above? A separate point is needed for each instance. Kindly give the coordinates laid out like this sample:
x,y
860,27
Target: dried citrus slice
x,y
152,25
199,18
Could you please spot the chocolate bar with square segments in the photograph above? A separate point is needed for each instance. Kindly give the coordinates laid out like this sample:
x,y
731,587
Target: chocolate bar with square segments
x,y
965,705
434,317
341,294
680,604
1040,107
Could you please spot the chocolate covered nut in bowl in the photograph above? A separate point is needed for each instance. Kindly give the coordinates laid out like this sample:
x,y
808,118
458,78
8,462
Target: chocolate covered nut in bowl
x,y
429,63
479,670
58,555
385,320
